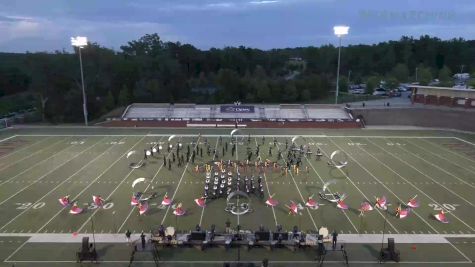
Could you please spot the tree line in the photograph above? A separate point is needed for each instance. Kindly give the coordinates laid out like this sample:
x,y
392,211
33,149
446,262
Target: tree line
x,y
152,70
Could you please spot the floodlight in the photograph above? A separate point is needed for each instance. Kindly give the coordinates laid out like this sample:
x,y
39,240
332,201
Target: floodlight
x,y
340,30
79,41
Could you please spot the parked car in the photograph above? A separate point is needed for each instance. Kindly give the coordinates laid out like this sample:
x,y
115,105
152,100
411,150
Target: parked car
x,y
394,93
380,92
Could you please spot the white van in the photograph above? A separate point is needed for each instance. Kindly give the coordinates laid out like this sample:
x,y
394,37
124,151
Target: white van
x,y
380,92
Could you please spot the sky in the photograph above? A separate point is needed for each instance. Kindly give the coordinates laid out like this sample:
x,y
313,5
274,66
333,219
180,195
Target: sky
x,y
47,25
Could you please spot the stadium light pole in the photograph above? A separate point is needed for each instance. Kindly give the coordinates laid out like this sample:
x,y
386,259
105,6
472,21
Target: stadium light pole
x,y
339,31
81,42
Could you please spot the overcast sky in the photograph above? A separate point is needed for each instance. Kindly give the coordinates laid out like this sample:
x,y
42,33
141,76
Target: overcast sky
x,y
47,25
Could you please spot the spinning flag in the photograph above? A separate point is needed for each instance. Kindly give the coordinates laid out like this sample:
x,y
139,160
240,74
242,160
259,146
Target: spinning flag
x,y
143,207
75,209
166,201
98,200
293,208
135,200
137,181
441,217
402,213
341,205
381,203
233,132
311,203
64,201
365,207
201,202
339,159
179,211
295,138
413,202
271,201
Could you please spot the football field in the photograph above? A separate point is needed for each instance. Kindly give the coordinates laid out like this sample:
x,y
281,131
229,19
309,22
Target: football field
x,y
37,167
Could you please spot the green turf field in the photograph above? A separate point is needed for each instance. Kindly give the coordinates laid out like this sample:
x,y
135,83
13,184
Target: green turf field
x,y
38,166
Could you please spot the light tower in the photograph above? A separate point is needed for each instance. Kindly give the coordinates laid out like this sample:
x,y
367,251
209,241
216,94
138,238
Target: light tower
x,y
339,31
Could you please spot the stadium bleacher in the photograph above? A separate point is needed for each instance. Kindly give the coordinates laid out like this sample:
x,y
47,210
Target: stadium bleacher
x,y
285,112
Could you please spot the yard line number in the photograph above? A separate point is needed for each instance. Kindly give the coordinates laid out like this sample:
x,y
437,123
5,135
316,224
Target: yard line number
x,y
26,205
78,142
106,206
450,207
395,144
356,144
317,144
115,143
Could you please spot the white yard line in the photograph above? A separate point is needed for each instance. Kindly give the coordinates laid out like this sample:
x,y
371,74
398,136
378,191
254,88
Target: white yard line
x,y
38,163
465,141
57,186
23,148
108,197
15,251
237,201
8,138
203,209
446,159
448,150
90,184
433,165
49,172
323,182
460,252
300,193
417,188
357,188
268,190
181,178
381,183
146,188
428,176
31,155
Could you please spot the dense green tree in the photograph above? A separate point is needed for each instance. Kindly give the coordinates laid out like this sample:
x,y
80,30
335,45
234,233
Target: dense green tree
x,y
124,96
153,70
391,82
343,84
424,75
263,91
445,76
109,102
372,83
290,92
306,95
400,72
